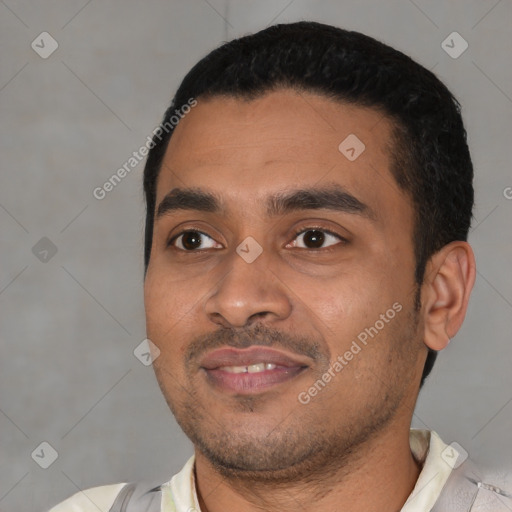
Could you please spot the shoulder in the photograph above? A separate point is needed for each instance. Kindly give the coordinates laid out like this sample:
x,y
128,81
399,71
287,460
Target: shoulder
x,y
494,492
95,499
479,490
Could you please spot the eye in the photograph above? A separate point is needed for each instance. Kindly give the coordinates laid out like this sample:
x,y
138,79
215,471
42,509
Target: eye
x,y
190,240
314,238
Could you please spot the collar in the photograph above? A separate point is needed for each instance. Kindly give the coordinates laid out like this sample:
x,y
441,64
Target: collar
x,y
179,494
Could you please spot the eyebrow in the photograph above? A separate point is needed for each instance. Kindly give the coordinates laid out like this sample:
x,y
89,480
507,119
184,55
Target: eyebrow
x,y
330,197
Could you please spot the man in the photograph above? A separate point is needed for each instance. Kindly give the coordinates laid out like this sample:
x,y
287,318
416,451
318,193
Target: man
x,y
309,195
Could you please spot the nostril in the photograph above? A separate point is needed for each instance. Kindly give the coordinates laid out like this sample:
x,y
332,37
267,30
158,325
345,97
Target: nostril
x,y
258,315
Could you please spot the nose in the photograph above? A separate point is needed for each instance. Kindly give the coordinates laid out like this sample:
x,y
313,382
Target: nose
x,y
247,292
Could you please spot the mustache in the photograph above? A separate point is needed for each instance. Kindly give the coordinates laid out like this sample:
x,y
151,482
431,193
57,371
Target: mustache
x,y
259,335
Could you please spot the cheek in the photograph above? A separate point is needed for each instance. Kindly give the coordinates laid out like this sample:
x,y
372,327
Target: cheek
x,y
166,327
169,308
346,305
156,302
345,297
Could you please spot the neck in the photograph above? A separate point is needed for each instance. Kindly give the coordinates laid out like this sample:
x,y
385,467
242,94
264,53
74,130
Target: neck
x,y
379,475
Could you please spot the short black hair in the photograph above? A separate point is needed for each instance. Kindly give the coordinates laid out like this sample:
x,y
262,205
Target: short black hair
x,y
430,156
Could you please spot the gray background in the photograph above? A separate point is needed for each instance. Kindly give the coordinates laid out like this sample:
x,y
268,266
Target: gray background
x,y
69,325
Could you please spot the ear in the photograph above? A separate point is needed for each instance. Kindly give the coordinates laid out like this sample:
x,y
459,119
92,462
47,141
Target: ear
x,y
449,279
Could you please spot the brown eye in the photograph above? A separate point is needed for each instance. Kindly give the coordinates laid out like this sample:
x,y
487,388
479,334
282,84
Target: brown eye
x,y
314,238
190,241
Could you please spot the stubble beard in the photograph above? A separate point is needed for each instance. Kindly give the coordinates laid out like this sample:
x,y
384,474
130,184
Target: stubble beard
x,y
302,446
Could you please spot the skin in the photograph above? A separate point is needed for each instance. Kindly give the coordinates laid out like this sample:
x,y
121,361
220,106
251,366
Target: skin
x,y
348,448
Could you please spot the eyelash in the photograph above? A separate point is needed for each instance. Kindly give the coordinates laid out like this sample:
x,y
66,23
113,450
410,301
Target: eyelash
x,y
296,233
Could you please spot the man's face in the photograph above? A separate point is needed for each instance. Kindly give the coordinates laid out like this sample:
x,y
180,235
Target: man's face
x,y
249,341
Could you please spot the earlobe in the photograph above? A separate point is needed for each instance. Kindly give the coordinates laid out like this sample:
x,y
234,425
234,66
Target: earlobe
x,y
449,279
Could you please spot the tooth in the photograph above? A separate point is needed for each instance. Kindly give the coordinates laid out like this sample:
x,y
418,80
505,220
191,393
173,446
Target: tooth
x,y
235,369
256,368
253,368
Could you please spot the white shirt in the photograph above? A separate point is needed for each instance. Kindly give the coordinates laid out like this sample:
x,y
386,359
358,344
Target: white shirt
x,y
179,493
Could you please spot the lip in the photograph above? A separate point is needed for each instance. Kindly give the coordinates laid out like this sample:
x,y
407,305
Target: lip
x,y
244,357
287,366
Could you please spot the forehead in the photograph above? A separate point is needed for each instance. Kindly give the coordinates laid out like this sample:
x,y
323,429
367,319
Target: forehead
x,y
245,149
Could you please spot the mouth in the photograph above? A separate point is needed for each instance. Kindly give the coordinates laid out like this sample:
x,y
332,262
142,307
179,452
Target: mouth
x,y
252,370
